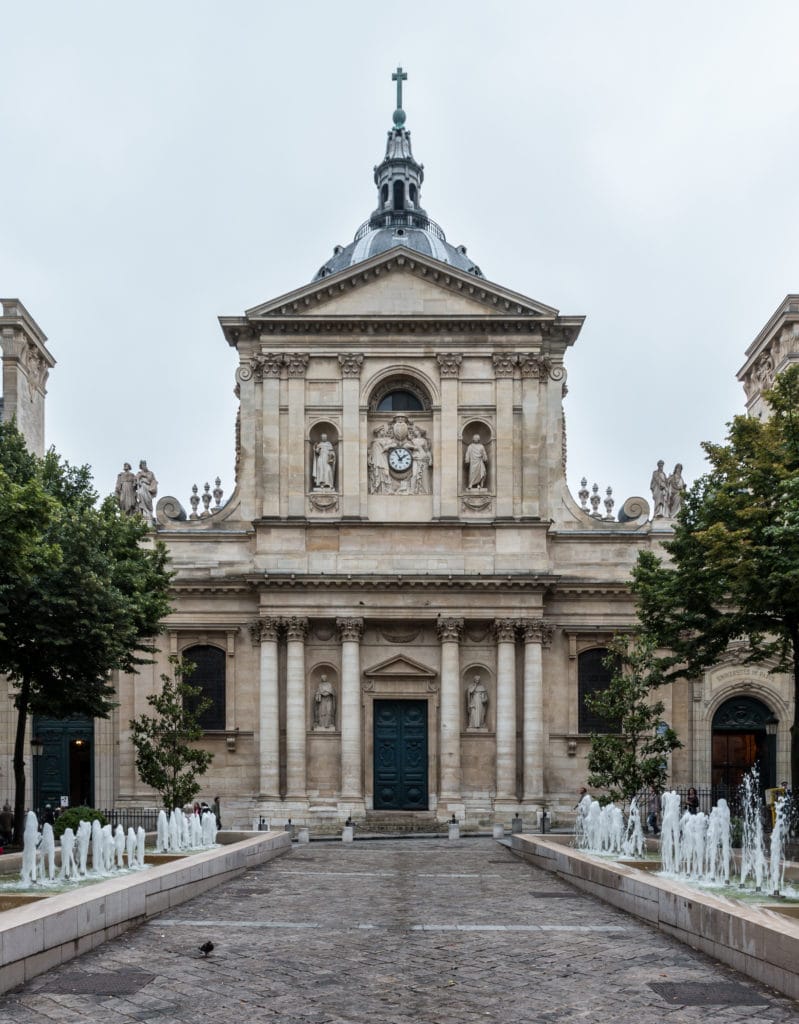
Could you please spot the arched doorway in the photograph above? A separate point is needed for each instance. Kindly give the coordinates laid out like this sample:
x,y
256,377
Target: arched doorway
x,y
741,741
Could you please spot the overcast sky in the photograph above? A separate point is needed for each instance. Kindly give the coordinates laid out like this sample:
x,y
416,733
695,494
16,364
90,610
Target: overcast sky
x,y
166,163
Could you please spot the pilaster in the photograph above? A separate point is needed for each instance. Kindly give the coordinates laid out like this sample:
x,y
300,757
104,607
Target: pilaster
x,y
348,443
504,365
449,466
295,446
536,633
505,632
296,629
350,631
449,634
265,633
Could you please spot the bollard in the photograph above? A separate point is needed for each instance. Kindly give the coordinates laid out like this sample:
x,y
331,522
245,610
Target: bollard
x,y
454,830
516,826
499,831
347,834
303,836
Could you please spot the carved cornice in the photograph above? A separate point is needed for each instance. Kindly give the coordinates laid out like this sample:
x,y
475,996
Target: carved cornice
x,y
297,363
449,363
350,363
373,325
350,629
504,364
505,630
296,627
536,631
378,583
449,630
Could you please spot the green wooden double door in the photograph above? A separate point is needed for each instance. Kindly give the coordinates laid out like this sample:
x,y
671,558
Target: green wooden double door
x,y
400,755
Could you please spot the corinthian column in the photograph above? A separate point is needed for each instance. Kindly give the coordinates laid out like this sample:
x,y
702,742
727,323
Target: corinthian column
x,y
296,715
449,633
537,633
265,634
351,744
505,630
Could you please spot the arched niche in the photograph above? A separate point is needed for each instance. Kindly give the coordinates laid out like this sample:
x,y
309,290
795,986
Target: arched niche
x,y
477,433
324,695
400,447
323,467
478,701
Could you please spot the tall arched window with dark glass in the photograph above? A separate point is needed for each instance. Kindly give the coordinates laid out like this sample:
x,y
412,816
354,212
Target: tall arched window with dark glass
x,y
400,401
593,676
208,675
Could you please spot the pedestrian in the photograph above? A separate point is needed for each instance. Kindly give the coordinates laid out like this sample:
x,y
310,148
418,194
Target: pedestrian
x,y
692,801
652,812
581,792
217,811
6,824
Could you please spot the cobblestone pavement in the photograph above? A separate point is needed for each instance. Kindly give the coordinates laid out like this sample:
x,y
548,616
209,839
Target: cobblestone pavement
x,y
393,931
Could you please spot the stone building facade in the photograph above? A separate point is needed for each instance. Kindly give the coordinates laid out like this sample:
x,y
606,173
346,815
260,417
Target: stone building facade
x,y
401,607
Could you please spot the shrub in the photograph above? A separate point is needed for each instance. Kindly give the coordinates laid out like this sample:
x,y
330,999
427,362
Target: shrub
x,y
73,816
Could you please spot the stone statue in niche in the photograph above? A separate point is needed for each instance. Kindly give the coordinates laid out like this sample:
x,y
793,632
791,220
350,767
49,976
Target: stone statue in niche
x,y
399,459
658,485
324,464
476,462
125,490
476,703
675,485
146,490
324,706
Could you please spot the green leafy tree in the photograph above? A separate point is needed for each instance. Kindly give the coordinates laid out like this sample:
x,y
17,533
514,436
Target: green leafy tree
x,y
633,756
165,759
82,592
733,569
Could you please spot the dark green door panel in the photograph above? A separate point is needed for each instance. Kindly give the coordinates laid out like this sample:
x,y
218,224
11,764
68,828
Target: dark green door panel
x,y
400,758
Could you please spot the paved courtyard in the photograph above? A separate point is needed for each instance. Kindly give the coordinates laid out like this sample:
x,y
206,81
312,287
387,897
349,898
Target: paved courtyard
x,y
394,931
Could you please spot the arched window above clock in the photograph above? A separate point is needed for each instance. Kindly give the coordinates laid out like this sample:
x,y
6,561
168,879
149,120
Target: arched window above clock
x,y
399,394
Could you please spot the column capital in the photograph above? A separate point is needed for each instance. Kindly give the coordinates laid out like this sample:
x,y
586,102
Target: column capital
x,y
350,363
449,363
536,631
264,629
297,363
504,364
505,630
296,627
449,630
350,629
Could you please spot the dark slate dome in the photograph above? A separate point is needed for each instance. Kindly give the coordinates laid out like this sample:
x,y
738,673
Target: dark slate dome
x,y
399,218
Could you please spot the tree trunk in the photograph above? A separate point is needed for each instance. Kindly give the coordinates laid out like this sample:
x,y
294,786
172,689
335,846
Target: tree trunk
x,y
795,725
22,700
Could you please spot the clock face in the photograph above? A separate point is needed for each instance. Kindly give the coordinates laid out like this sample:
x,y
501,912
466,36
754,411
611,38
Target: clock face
x,y
399,459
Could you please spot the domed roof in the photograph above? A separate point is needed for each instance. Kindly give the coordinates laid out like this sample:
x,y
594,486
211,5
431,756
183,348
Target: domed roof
x,y
426,238
399,219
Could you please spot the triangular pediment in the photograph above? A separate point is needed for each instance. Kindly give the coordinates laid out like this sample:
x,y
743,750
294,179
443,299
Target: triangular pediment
x,y
400,665
401,282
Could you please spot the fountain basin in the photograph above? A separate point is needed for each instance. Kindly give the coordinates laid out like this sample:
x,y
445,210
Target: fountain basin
x,y
759,940
48,930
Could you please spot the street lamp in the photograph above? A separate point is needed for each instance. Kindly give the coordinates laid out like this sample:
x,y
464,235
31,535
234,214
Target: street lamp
x,y
37,749
771,724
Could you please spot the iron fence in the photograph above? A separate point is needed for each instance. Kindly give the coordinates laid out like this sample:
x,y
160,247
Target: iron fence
x,y
132,817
